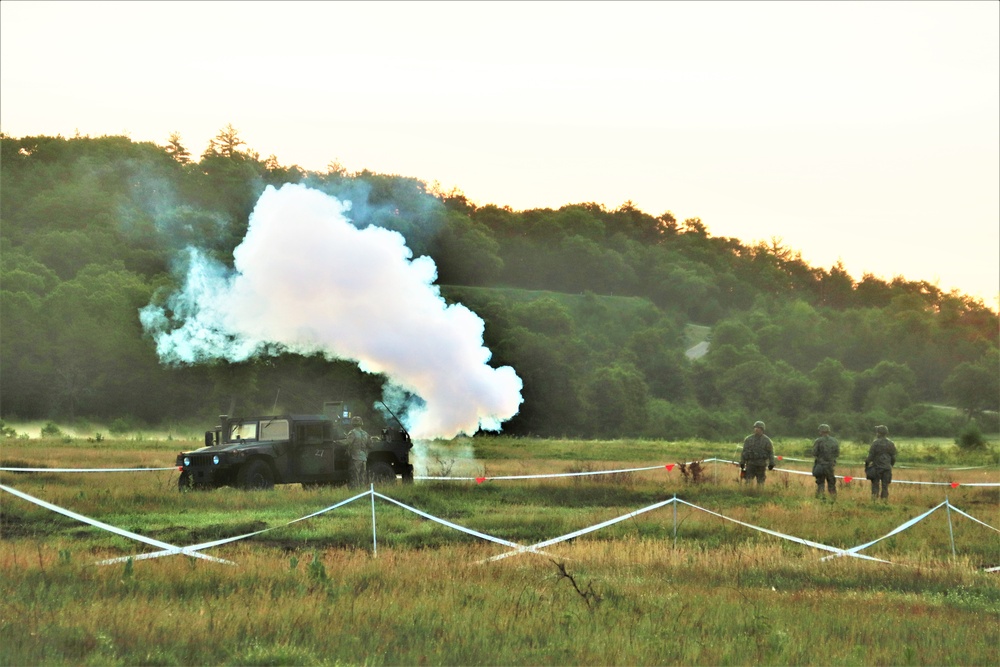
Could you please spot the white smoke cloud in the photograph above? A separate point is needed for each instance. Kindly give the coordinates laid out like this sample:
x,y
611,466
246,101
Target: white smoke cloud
x,y
305,280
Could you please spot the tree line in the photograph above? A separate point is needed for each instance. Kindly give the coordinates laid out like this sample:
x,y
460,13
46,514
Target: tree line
x,y
591,306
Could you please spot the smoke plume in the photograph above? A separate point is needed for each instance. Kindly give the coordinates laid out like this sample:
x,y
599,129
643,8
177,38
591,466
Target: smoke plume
x,y
305,280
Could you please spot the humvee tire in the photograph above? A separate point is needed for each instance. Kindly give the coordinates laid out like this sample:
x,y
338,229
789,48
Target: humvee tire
x,y
256,475
381,473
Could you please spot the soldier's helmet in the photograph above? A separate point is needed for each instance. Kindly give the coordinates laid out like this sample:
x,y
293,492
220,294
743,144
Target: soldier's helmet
x,y
758,424
824,428
881,430
357,421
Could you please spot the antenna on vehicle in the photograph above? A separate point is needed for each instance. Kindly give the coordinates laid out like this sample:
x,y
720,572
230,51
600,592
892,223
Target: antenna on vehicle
x,y
391,413
276,394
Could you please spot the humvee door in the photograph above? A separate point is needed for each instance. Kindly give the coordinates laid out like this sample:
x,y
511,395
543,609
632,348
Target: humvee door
x,y
314,449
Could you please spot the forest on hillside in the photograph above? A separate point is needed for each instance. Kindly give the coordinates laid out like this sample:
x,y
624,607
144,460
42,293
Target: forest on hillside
x,y
592,307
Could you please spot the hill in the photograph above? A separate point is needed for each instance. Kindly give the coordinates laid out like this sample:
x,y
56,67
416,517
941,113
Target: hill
x,y
594,308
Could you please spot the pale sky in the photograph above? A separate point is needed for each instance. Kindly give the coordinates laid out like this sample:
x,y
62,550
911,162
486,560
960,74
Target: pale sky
x,y
867,132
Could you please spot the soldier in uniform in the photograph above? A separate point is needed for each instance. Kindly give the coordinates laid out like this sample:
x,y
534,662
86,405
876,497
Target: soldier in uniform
x,y
826,450
357,446
758,455
878,464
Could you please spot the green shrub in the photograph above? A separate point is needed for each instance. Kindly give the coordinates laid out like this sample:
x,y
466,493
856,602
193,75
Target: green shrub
x,y
50,430
971,437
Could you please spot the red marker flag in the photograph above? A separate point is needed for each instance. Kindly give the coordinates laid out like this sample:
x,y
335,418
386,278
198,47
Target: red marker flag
x,y
670,466
780,458
480,480
847,480
954,485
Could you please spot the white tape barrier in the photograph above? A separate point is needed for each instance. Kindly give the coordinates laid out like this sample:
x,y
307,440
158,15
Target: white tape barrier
x,y
898,529
561,474
905,467
670,466
85,469
208,545
168,548
815,545
969,516
480,480
193,550
901,467
836,552
590,529
582,531
520,548
848,478
372,493
911,522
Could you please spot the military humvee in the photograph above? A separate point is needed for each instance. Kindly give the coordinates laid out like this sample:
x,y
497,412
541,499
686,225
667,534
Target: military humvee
x,y
259,452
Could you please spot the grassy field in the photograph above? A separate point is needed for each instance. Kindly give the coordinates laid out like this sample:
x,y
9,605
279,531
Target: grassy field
x,y
320,592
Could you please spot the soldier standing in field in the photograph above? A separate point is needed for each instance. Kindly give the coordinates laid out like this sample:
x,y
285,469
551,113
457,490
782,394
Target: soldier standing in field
x,y
826,450
879,462
357,446
758,455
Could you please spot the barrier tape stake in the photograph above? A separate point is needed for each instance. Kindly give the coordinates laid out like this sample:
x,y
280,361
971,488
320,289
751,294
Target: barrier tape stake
x,y
951,531
374,543
675,521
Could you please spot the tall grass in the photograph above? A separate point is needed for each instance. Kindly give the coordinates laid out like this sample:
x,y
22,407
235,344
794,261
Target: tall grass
x,y
648,604
316,592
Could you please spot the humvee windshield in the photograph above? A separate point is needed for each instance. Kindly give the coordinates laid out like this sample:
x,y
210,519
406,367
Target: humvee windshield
x,y
272,429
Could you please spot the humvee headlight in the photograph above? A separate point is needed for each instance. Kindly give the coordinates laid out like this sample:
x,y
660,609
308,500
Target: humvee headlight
x,y
187,461
215,459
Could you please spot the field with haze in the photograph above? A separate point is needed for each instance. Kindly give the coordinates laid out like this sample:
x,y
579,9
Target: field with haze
x,y
683,583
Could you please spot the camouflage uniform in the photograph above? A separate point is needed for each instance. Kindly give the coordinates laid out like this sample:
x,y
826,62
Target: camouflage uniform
x,y
357,445
758,455
879,462
825,449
